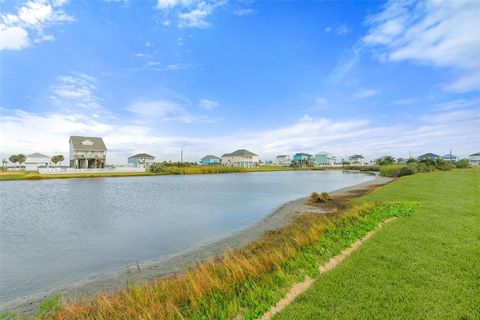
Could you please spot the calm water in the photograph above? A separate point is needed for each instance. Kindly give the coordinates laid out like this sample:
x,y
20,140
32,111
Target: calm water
x,y
53,232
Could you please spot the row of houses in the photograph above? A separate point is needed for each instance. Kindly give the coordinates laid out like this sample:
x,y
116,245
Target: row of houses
x,y
91,153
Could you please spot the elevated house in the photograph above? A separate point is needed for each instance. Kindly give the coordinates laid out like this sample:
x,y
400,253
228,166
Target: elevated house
x,y
36,160
428,156
324,159
283,160
450,157
210,160
87,152
356,159
141,160
303,159
240,158
474,159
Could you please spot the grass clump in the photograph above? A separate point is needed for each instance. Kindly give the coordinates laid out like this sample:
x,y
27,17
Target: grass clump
x,y
316,198
244,282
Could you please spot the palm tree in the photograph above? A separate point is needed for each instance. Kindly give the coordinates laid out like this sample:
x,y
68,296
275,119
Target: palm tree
x,y
13,159
21,159
4,162
57,158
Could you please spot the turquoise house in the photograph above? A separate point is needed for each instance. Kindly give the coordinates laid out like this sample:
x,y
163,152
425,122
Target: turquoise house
x,y
303,159
210,159
324,159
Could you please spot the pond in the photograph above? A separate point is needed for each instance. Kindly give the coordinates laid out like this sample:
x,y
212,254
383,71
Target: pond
x,y
57,231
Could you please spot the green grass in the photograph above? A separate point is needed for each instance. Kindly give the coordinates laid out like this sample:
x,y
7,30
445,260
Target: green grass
x,y
423,267
242,282
170,170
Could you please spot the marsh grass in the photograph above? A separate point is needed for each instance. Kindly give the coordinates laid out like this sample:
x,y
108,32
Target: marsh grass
x,y
243,283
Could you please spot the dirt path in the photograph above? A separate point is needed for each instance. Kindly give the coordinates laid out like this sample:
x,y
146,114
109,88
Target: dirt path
x,y
300,287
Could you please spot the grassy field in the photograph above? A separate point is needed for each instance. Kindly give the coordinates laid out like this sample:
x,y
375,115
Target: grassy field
x,y
171,170
423,267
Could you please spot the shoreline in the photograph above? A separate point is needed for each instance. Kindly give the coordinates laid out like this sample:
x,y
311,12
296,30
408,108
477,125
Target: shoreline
x,y
32,176
171,265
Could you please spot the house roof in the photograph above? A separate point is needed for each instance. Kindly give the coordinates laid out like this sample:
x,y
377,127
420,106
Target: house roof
x,y
429,155
239,153
282,156
96,145
475,154
211,157
356,156
37,155
303,154
142,155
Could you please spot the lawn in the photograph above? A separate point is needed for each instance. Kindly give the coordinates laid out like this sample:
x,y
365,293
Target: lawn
x,y
423,267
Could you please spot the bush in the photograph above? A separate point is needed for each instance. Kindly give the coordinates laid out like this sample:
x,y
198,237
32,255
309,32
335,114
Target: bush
x,y
443,165
405,171
462,164
373,167
316,198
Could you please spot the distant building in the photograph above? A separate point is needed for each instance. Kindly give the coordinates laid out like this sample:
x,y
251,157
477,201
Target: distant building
x,y
474,159
240,158
428,156
87,152
210,159
141,160
357,159
35,160
283,160
303,159
324,159
450,157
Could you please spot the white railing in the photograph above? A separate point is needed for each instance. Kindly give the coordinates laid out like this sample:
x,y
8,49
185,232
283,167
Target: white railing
x,y
99,170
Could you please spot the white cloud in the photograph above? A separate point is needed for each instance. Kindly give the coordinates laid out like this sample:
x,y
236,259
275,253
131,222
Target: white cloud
x,y
34,16
13,38
438,33
341,30
189,13
243,12
366,93
208,104
76,90
174,110
344,65
430,133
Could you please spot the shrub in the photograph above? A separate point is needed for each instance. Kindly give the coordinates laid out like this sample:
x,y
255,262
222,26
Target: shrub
x,y
462,164
443,165
319,198
405,171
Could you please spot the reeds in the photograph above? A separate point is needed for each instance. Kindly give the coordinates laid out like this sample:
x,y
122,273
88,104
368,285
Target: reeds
x,y
241,283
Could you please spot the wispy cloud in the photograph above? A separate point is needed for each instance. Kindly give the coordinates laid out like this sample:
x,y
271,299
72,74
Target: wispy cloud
x,y
366,93
339,30
174,110
76,89
438,33
31,19
208,104
188,13
243,12
344,65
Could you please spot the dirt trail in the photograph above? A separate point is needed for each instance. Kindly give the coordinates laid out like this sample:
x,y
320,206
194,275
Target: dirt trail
x,y
300,287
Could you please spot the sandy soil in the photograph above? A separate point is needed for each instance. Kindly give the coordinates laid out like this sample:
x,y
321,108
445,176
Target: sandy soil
x,y
171,265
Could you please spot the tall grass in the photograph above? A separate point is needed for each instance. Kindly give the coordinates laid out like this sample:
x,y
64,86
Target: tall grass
x,y
245,282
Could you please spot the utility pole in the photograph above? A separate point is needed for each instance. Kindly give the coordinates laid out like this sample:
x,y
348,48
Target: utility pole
x,y
181,156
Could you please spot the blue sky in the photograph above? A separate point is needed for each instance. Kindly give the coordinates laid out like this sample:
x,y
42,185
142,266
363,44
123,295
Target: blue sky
x,y
213,76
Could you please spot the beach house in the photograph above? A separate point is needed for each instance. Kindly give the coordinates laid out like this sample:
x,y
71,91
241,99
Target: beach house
x,y
210,160
450,157
35,160
240,158
141,160
87,152
324,159
474,159
356,159
283,160
428,156
303,159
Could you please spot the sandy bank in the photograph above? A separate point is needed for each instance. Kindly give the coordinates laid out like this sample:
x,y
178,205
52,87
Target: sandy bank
x,y
279,217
